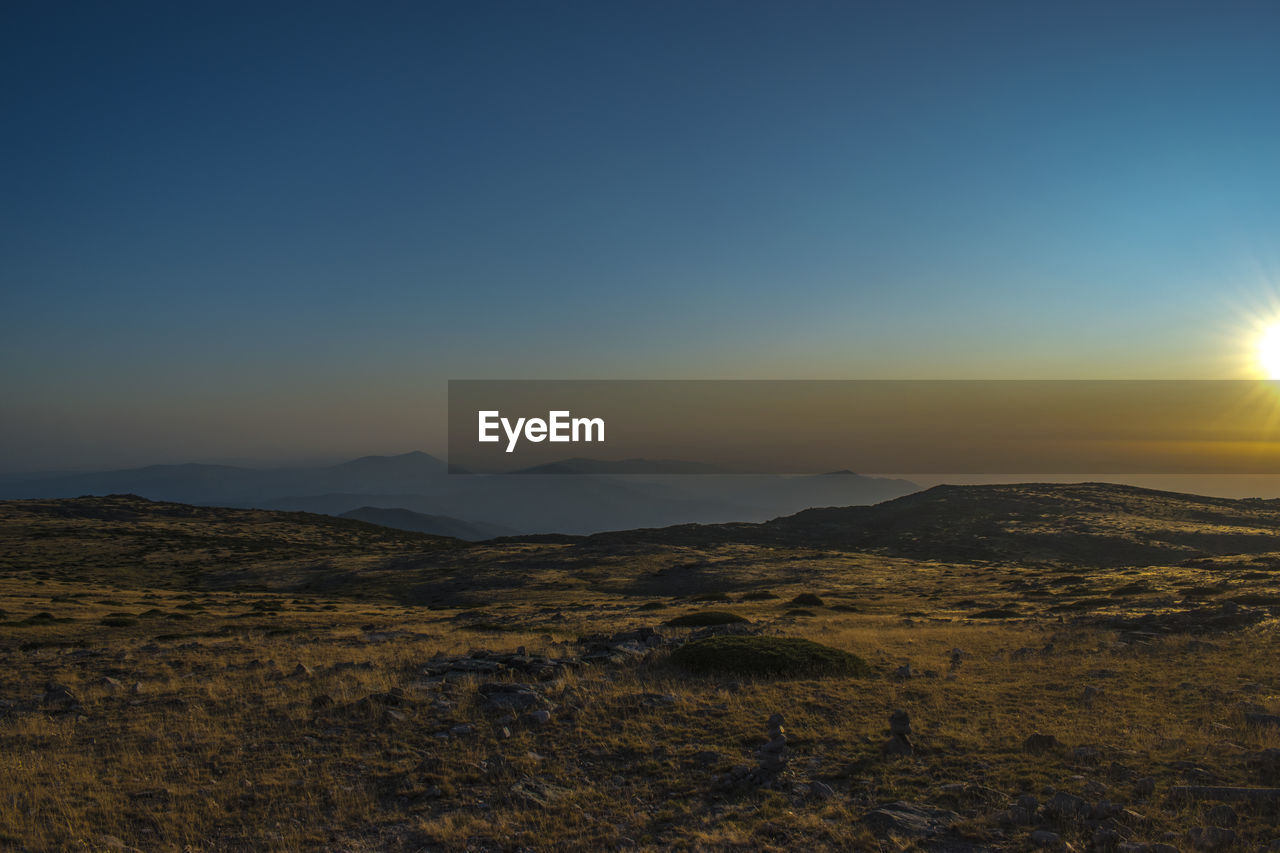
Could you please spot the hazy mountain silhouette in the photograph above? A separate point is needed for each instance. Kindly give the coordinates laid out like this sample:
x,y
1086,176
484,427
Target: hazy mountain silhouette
x,y
530,501
579,465
437,525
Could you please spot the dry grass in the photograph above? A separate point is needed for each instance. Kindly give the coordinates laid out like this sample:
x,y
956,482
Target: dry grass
x,y
223,748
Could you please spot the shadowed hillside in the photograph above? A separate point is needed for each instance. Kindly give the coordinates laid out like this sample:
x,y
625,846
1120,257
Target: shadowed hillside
x,y
124,538
1087,524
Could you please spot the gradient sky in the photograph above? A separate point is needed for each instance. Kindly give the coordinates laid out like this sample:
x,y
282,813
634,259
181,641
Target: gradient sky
x,y
272,231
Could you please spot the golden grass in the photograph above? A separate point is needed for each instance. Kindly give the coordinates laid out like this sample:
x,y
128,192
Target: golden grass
x,y
214,754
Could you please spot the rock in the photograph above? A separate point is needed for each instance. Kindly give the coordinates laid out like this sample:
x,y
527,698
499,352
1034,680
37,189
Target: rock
x,y
1090,695
773,756
903,673
538,718
1086,755
1045,838
1040,743
59,699
460,730
1211,837
322,701
1223,815
1017,816
1066,806
113,686
821,791
302,671
909,820
1145,787
510,696
1266,764
899,728
1263,720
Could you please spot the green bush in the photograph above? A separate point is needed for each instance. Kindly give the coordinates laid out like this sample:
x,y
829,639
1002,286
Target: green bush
x,y
704,618
766,656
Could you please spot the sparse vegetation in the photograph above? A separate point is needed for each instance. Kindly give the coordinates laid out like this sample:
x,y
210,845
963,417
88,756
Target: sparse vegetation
x,y
206,733
767,657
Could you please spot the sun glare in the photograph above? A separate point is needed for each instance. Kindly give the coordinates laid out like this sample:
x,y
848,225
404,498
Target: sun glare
x,y
1269,351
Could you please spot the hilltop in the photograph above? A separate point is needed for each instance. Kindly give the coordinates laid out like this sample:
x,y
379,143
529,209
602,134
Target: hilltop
x,y
1085,524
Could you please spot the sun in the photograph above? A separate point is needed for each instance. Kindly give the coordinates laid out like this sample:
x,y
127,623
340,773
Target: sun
x,y
1268,351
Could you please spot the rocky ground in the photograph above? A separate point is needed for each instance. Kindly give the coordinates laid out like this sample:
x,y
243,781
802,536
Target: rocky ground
x,y
957,706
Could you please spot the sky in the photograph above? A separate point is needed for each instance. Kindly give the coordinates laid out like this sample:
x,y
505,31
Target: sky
x,y
271,232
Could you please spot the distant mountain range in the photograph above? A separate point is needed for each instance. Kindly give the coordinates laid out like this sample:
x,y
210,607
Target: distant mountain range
x,y
602,496
436,525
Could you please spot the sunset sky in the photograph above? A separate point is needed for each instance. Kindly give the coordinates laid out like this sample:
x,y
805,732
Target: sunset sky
x,y
271,232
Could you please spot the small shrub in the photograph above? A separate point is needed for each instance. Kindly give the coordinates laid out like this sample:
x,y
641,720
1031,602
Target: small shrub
x,y
704,618
711,596
118,620
651,605
806,599
758,595
766,656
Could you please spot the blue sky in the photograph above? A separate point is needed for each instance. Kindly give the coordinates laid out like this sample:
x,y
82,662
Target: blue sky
x,y
272,231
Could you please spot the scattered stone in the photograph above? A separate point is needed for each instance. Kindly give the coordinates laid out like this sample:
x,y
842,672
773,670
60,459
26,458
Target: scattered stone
x,y
903,673
899,728
1145,787
821,791
1066,806
1045,838
1211,837
113,686
1266,764
1223,815
58,699
323,700
1264,720
909,820
510,696
1086,755
302,671
538,718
